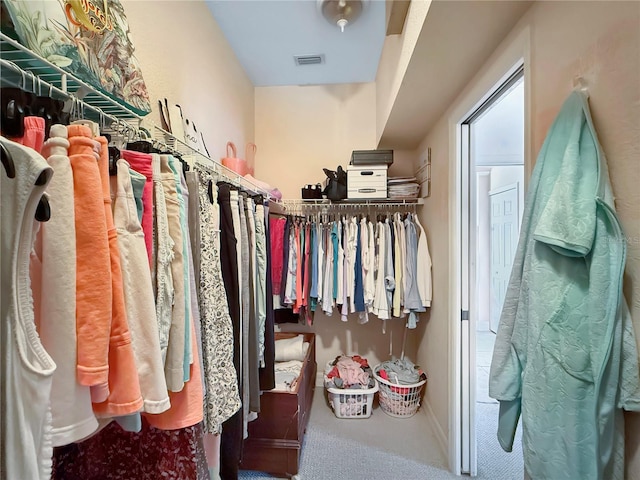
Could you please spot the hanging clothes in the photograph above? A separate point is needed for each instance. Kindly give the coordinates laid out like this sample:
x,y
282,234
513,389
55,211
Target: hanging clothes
x,y
222,398
55,253
232,428
355,266
565,354
124,396
27,379
151,453
163,253
139,298
142,163
93,266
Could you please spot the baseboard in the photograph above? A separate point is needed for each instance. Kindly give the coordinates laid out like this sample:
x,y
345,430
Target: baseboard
x,y
440,436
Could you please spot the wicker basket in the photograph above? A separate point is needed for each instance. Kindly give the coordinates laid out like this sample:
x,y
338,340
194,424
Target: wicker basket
x,y
400,401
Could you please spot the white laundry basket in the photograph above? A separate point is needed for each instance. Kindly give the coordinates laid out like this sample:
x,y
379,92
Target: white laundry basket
x,y
351,403
400,401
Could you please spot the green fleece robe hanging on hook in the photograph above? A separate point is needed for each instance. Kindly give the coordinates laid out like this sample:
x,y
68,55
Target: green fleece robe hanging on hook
x,y
565,356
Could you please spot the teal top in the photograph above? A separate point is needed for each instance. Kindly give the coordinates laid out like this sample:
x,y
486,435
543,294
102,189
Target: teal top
x,y
565,356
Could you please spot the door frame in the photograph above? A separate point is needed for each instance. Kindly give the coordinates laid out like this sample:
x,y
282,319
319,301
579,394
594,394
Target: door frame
x,y
511,56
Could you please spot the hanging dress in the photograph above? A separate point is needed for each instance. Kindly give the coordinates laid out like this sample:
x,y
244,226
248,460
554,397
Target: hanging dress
x,y
221,381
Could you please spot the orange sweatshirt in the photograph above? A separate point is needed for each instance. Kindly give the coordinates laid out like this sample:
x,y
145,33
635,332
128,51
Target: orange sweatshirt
x,y
93,264
124,385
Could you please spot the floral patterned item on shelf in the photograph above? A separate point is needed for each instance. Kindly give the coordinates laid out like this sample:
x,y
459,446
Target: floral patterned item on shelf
x,y
88,38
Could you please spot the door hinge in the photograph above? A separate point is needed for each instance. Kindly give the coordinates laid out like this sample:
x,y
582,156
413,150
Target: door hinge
x,y
464,315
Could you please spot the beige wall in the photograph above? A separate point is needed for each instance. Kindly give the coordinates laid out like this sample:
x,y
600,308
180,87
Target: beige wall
x,y
185,58
599,41
301,129
394,60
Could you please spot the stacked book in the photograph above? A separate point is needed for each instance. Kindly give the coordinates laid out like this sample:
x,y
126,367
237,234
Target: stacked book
x,y
402,188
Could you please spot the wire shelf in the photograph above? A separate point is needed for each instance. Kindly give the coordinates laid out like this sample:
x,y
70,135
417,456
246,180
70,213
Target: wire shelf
x,y
31,62
23,68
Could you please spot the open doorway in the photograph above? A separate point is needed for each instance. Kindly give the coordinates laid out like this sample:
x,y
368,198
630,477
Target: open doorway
x,y
493,149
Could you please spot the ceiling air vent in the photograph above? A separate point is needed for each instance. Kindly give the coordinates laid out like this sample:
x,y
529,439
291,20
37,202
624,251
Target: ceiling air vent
x,y
302,60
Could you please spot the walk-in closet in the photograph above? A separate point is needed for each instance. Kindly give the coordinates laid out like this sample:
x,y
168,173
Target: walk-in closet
x,y
319,239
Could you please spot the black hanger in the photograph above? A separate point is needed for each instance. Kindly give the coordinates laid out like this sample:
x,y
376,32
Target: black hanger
x,y
49,109
43,210
14,108
142,146
7,162
114,156
210,191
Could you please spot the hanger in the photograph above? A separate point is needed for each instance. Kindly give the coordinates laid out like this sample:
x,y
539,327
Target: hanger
x,y
14,108
43,210
7,162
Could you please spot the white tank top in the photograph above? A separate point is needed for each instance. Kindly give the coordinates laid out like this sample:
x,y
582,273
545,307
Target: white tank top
x,y
26,367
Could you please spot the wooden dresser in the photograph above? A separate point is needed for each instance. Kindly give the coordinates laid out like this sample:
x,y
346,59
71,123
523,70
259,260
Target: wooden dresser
x,y
275,438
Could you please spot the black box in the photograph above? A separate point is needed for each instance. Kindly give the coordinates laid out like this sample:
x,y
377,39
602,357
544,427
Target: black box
x,y
371,157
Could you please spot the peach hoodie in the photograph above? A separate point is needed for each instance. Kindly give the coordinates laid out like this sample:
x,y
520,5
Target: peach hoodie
x,y
93,266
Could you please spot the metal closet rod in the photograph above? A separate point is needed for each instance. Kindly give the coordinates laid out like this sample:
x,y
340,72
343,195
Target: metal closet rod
x,y
319,204
219,169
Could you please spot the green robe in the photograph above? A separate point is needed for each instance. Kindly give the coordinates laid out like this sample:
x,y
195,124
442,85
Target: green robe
x,y
565,355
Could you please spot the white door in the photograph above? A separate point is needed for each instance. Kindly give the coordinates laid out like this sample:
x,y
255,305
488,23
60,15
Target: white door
x,y
504,241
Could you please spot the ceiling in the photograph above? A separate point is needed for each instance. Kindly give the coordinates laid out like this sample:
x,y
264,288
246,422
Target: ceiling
x,y
456,40
266,35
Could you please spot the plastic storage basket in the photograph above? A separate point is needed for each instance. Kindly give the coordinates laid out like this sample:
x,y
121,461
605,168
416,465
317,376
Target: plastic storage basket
x,y
398,400
348,403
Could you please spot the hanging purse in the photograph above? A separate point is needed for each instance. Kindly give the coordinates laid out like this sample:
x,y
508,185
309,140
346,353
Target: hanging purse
x,y
232,162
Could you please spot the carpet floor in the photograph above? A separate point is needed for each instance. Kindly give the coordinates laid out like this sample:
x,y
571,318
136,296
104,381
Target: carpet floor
x,y
386,448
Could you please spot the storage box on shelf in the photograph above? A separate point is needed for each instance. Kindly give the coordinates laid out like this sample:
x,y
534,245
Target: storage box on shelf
x,y
367,181
371,157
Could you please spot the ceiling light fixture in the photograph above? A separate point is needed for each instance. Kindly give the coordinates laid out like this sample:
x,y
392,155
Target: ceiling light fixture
x,y
341,12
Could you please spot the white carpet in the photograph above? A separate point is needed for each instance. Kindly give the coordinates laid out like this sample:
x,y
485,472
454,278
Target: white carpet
x,y
386,448
376,448
493,462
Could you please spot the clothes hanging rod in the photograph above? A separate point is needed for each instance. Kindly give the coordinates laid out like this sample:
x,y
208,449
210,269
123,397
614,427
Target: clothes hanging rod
x,y
195,156
352,203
